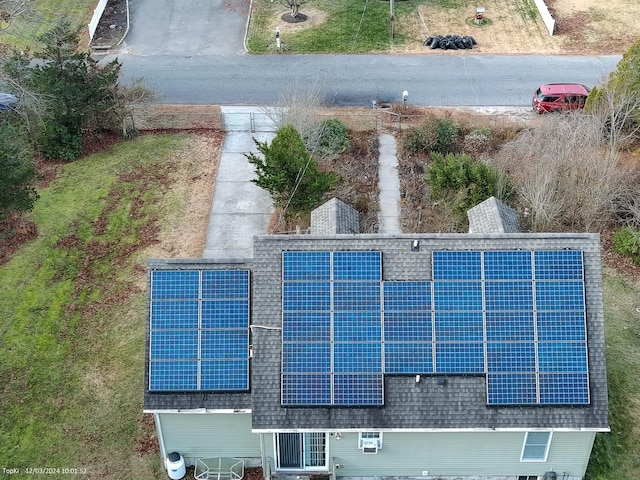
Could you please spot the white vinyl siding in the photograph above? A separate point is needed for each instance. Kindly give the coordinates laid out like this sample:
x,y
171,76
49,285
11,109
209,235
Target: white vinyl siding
x,y
536,446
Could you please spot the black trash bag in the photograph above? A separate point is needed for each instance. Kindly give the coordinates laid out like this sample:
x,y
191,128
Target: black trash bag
x,y
466,41
435,43
428,41
473,40
444,43
452,45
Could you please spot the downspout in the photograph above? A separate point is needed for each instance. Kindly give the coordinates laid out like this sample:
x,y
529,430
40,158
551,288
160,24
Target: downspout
x,y
263,458
156,418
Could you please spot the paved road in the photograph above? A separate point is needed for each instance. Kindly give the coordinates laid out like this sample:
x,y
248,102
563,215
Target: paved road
x,y
192,52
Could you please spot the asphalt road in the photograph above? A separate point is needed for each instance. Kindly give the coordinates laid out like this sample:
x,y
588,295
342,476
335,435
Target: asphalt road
x,y
191,52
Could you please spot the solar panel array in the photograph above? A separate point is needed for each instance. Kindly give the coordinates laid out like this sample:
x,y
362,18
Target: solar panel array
x,y
199,330
517,317
332,329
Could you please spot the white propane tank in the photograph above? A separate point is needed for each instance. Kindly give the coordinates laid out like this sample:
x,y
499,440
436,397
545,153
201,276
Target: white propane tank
x,y
174,463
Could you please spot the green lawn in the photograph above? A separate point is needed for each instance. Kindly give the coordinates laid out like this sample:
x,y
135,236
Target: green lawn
x,y
356,26
42,15
72,315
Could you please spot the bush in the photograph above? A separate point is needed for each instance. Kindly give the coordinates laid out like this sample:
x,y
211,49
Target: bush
x,y
626,241
60,142
330,137
448,133
469,183
432,135
477,141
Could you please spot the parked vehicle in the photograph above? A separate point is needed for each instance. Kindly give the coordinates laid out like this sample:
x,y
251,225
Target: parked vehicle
x,y
556,97
8,101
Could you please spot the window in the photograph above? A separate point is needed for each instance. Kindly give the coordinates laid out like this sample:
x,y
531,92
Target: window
x,y
370,442
536,447
301,451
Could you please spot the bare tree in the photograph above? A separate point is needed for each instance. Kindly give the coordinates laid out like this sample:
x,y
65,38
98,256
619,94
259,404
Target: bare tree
x,y
294,5
617,108
565,175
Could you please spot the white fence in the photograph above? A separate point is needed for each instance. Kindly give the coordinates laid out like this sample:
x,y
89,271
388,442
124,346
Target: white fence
x,y
95,19
548,20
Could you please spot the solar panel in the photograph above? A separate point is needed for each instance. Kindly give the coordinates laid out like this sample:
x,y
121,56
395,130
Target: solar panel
x,y
458,358
511,389
558,265
199,330
358,390
408,358
509,265
517,317
451,265
464,295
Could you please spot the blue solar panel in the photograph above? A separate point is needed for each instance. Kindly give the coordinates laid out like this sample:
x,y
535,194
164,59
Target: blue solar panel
x,y
302,296
456,358
514,326
306,389
354,296
562,356
407,296
306,358
564,388
306,266
511,357
225,313
225,375
187,332
512,265
560,296
357,327
408,358
359,265
509,295
306,326
224,344
511,389
358,390
174,344
558,265
407,326
357,357
174,285
561,326
173,376
465,296
174,314
459,327
457,265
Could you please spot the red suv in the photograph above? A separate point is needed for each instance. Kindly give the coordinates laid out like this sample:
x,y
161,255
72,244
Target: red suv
x,y
555,97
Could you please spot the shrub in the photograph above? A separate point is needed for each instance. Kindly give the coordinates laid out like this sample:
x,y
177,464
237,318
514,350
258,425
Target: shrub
x,y
469,182
423,138
330,137
477,141
448,133
626,241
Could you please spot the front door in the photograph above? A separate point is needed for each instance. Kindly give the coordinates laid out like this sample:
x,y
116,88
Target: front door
x,y
301,451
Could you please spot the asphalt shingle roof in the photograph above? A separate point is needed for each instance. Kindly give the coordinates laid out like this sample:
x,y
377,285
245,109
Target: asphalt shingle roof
x,y
459,403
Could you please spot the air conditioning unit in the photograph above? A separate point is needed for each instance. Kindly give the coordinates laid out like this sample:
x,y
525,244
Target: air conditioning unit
x,y
370,446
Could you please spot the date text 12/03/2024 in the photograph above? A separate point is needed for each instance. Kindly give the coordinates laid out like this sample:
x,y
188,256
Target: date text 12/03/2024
x,y
45,471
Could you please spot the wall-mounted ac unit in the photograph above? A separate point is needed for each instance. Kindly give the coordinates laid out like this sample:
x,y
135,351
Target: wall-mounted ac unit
x,y
369,445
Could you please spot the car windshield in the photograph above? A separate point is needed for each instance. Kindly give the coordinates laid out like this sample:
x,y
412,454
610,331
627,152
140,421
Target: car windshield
x,y
545,98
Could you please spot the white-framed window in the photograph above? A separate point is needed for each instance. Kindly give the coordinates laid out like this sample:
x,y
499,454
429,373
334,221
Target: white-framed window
x,y
536,446
301,451
370,442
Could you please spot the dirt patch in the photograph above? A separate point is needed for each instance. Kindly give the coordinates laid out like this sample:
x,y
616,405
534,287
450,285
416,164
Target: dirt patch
x,y
15,231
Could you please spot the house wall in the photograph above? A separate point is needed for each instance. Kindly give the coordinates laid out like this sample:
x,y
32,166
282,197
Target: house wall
x,y
489,454
203,435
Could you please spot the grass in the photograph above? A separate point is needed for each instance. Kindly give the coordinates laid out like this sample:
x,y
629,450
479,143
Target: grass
x,y
72,315
356,26
42,16
616,455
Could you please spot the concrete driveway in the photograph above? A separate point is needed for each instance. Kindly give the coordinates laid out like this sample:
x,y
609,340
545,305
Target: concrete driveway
x,y
186,27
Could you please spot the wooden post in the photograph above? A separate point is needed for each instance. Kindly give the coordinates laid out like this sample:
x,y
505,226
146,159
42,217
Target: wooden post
x,y
392,18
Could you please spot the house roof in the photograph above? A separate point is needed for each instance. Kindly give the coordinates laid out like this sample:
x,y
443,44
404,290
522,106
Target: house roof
x,y
459,402
335,217
493,216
